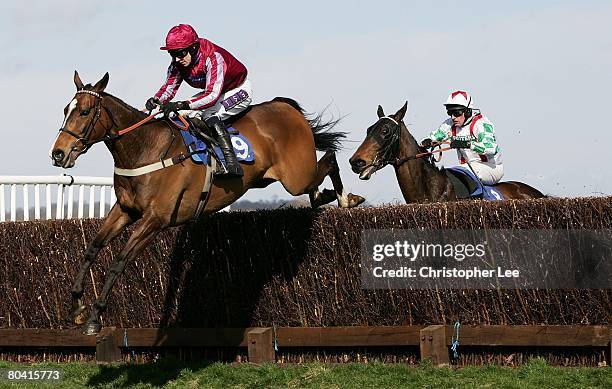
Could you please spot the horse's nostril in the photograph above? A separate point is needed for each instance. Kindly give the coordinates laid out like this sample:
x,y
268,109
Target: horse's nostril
x,y
57,155
358,163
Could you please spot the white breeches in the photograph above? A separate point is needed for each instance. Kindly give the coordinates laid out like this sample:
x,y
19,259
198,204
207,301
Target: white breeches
x,y
229,104
488,173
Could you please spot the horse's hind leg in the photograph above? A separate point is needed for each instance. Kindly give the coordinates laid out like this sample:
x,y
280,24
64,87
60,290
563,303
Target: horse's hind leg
x,y
145,232
113,225
328,166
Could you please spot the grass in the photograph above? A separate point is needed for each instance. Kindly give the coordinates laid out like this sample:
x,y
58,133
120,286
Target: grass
x,y
171,373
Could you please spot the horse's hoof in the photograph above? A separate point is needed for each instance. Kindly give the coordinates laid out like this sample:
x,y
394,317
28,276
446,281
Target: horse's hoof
x,y
328,195
92,329
324,197
354,200
78,315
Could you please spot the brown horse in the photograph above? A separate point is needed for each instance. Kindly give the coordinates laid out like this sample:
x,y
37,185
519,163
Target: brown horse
x,y
389,142
284,142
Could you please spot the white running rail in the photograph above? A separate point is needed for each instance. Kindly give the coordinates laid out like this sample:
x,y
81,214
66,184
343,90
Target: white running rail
x,y
18,188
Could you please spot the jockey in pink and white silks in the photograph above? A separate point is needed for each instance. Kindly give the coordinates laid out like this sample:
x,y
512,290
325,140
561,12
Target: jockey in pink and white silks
x,y
204,65
472,134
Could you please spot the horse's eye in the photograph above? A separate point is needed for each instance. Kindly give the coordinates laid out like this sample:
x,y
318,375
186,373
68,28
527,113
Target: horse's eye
x,y
384,132
85,112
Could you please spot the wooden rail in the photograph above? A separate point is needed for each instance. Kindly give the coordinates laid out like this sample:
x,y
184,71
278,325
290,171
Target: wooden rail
x,y
434,341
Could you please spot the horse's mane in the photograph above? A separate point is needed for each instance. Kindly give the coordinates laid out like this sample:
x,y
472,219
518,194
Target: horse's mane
x,y
125,105
428,161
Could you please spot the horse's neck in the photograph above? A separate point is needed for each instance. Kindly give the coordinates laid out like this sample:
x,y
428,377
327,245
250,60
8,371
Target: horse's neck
x,y
142,145
418,180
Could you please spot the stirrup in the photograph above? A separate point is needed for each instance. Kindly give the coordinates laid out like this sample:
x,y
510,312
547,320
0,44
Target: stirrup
x,y
225,172
222,172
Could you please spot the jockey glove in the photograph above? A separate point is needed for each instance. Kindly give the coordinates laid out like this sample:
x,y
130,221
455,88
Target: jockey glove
x,y
174,106
152,103
460,144
426,143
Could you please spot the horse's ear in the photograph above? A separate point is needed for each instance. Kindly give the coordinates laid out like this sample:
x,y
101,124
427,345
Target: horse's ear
x,y
399,115
380,112
77,81
100,85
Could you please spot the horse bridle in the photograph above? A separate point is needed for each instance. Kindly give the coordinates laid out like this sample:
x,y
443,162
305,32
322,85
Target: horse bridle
x,y
84,138
390,148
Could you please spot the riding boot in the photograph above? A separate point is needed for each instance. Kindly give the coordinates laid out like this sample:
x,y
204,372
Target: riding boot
x,y
233,168
199,128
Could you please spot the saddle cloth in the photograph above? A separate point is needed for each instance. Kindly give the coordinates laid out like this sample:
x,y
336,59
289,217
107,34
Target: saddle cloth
x,y
468,186
200,150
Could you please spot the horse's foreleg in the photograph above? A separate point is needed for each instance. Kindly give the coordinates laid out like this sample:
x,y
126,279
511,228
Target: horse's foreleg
x,y
145,232
113,225
328,166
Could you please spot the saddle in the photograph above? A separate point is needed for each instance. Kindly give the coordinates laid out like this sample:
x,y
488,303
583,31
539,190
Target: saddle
x,y
201,149
468,186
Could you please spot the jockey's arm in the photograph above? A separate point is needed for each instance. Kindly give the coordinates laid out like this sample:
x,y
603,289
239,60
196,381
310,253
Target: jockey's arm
x,y
441,134
171,86
485,143
215,77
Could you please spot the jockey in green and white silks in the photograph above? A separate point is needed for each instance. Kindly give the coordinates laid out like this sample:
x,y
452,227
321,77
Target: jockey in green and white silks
x,y
473,135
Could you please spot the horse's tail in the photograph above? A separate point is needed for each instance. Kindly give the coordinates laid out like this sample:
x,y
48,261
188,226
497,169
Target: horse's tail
x,y
324,139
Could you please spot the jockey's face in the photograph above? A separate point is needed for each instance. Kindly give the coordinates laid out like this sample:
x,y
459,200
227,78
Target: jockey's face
x,y
181,56
185,61
458,121
458,116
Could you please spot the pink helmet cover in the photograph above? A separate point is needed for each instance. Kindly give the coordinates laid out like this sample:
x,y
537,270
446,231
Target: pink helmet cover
x,y
180,37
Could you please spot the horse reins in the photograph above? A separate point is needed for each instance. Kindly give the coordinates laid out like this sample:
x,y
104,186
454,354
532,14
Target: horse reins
x,y
400,161
147,119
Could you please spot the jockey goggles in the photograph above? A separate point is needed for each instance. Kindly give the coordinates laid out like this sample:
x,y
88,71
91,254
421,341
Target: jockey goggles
x,y
455,112
179,53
